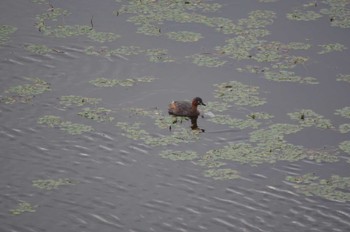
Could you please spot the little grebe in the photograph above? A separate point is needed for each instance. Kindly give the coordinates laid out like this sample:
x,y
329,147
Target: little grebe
x,y
184,108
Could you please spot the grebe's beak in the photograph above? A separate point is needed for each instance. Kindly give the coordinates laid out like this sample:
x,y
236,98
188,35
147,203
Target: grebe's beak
x,y
201,103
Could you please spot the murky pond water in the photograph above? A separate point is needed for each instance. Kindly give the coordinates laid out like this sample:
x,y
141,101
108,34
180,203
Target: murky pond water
x,y
87,143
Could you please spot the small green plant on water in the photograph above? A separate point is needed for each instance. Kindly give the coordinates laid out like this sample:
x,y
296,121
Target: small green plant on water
x,y
50,184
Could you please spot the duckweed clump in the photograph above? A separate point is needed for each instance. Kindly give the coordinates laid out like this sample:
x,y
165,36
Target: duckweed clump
x,y
5,32
184,36
345,146
39,49
206,60
307,118
344,112
239,93
69,127
178,135
235,122
104,82
222,174
336,188
72,100
303,15
99,114
25,93
23,207
178,155
343,77
344,128
50,184
327,48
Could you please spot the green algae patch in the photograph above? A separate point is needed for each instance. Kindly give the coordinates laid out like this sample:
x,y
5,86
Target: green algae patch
x,y
72,100
333,47
222,174
235,122
50,184
104,82
344,112
288,76
239,93
67,126
345,146
25,93
300,15
23,207
335,188
308,118
206,60
343,77
5,33
178,155
39,49
178,135
184,36
99,114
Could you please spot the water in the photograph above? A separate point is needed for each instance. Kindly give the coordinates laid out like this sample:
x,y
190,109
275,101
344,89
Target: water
x,y
123,184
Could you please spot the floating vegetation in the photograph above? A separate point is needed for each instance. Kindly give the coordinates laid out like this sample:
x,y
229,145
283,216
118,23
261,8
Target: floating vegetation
x,y
260,115
99,114
303,15
78,100
206,60
158,55
239,93
288,76
235,122
69,127
344,128
39,49
222,174
216,106
184,36
50,184
122,51
327,48
342,77
23,207
344,112
178,155
307,118
336,188
338,13
104,82
178,135
25,93
345,146
5,32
